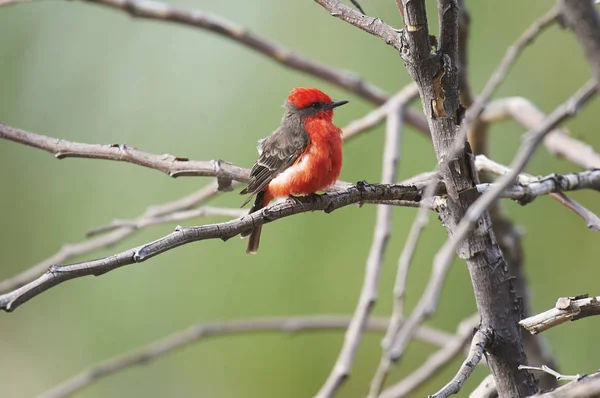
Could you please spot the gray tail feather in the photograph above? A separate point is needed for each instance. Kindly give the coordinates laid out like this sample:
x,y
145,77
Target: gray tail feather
x,y
254,240
254,233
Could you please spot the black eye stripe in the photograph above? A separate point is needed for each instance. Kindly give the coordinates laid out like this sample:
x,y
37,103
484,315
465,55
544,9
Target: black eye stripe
x,y
315,105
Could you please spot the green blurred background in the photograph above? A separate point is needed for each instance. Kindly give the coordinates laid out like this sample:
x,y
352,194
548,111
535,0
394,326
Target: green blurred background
x,y
87,73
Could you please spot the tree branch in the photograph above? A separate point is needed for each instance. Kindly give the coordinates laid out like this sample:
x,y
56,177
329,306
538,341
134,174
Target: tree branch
x,y
173,166
566,309
551,372
374,26
480,341
156,350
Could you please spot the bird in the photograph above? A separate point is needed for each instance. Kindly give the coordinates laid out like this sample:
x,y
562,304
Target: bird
x,y
301,157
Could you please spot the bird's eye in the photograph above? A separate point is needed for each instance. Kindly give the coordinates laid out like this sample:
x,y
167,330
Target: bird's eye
x,y
315,105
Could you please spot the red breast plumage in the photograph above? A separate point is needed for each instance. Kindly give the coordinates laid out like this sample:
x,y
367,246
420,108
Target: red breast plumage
x,y
303,156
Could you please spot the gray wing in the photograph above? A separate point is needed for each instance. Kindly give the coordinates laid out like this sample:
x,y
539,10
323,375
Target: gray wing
x,y
277,152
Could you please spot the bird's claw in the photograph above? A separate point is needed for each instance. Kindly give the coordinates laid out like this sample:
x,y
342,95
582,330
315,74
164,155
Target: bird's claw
x,y
295,200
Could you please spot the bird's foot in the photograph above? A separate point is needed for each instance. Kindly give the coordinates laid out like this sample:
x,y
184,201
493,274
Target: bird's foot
x,y
295,200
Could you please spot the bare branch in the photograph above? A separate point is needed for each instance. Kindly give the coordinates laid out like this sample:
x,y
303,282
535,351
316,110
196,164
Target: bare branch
x,y
566,309
555,192
374,26
204,211
553,183
480,341
551,372
369,292
587,386
326,202
69,251
171,165
557,141
436,361
583,18
177,340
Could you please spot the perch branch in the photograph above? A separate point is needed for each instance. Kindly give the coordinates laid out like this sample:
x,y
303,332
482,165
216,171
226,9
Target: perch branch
x,y
566,309
326,202
180,339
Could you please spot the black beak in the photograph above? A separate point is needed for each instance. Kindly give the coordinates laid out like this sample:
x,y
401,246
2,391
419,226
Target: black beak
x,y
335,104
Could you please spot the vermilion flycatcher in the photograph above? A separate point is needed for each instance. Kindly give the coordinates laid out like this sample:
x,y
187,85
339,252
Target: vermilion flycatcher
x,y
303,156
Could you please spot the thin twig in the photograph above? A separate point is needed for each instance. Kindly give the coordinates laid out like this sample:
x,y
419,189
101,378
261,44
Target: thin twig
x,y
369,292
480,341
204,211
374,26
531,141
173,166
69,251
552,372
436,361
148,353
566,309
